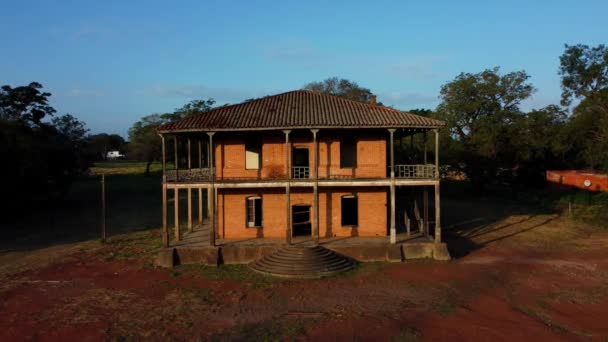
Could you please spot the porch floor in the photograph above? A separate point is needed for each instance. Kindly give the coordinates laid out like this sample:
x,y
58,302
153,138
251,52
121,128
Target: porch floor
x,y
199,238
194,248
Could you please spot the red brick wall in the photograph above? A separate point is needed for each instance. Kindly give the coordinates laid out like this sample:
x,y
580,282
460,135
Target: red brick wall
x,y
372,219
371,155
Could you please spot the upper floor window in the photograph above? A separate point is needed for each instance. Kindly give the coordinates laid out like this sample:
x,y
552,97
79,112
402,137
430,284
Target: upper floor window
x,y
348,152
253,154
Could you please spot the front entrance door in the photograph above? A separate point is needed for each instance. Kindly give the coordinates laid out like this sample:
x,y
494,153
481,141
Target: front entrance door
x,y
300,220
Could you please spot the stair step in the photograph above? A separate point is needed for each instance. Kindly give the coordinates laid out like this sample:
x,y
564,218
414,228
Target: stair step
x,y
264,266
300,274
303,262
284,256
338,262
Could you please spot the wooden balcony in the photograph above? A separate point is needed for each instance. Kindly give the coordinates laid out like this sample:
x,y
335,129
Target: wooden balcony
x,y
299,173
188,175
418,171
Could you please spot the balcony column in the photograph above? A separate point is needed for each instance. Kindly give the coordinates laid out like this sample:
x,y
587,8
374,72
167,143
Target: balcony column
x,y
189,154
200,190
189,190
287,189
200,153
425,192
393,230
176,213
162,140
176,191
315,195
437,201
175,143
165,229
436,153
209,196
211,191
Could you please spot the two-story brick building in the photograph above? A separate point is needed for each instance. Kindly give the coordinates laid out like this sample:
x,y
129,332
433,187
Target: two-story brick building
x,y
304,164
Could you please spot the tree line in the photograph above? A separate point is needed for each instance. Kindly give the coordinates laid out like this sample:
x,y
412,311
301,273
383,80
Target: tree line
x,y
43,153
488,133
488,136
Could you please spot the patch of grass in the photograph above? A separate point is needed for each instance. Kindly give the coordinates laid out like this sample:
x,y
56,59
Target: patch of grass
x,y
363,269
546,320
240,273
125,167
270,330
406,335
447,301
538,312
576,295
132,246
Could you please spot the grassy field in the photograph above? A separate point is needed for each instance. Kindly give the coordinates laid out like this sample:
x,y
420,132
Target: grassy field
x,y
126,167
524,269
133,204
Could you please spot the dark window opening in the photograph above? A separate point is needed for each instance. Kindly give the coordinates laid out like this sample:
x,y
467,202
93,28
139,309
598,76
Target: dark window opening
x,y
350,211
348,152
254,212
300,156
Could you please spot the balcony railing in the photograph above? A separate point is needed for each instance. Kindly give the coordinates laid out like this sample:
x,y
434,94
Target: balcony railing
x,y
418,171
300,172
189,175
415,171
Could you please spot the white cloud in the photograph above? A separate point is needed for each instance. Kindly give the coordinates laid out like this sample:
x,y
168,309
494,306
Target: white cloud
x,y
79,92
221,95
298,52
408,100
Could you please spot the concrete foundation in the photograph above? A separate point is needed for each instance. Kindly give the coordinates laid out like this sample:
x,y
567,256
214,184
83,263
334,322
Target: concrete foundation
x,y
245,254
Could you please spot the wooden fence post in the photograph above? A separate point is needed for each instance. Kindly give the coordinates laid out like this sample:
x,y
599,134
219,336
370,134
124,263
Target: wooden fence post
x,y
103,207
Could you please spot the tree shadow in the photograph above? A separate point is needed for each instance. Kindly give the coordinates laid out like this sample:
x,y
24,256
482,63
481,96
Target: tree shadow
x,y
472,223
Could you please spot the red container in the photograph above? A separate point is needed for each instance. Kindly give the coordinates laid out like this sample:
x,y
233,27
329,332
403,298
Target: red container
x,y
583,179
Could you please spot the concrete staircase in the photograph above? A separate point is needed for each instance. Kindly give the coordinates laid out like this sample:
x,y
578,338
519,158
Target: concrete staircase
x,y
303,261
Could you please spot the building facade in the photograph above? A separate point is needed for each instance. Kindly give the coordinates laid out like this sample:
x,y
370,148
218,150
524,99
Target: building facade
x,y
303,165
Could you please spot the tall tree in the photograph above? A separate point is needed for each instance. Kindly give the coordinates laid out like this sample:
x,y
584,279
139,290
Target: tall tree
x,y
584,76
584,71
480,110
41,158
144,142
341,87
71,128
25,103
194,107
98,145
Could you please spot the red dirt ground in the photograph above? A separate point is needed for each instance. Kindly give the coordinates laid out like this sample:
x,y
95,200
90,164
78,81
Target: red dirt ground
x,y
503,291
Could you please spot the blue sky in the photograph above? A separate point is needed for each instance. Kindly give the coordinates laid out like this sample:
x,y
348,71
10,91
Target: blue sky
x,y
112,62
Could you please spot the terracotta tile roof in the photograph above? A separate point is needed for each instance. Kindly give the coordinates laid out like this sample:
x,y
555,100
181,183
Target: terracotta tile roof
x,y
299,109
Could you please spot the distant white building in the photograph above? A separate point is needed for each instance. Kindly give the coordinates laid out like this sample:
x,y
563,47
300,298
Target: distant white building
x,y
114,155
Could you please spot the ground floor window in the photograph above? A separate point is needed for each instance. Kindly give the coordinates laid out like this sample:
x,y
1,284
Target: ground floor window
x,y
254,211
350,211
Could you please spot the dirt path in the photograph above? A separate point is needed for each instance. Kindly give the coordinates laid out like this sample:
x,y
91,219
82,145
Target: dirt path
x,y
528,286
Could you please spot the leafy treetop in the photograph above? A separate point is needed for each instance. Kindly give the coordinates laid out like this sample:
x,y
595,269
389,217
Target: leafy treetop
x,y
26,103
341,87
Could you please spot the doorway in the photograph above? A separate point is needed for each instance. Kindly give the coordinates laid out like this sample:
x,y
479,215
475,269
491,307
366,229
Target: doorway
x,y
300,165
300,220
